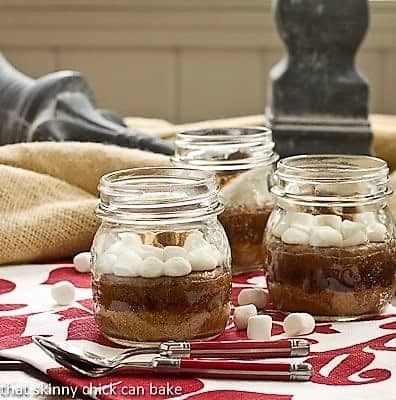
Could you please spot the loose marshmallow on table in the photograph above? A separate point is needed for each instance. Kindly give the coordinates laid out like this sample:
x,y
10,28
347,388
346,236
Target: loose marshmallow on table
x,y
152,267
296,324
242,315
177,266
295,236
256,296
82,262
325,236
259,327
63,293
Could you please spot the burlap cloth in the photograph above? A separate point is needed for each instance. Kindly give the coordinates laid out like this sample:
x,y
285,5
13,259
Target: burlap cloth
x,y
48,196
48,191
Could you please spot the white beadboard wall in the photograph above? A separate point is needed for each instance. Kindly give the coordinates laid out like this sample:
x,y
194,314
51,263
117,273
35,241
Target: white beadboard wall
x,y
175,59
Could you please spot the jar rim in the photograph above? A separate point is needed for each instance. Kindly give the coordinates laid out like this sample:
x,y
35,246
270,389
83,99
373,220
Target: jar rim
x,y
225,149
158,196
332,179
317,167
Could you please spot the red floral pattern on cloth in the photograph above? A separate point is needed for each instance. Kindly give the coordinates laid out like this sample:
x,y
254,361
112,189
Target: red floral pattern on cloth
x,y
351,360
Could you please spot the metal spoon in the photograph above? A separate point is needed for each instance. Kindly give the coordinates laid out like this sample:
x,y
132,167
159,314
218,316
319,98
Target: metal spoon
x,y
228,369
84,359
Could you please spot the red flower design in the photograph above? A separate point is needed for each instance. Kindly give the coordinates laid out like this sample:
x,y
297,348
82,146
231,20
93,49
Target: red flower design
x,y
325,329
10,307
78,279
11,329
244,278
125,383
73,313
6,286
355,360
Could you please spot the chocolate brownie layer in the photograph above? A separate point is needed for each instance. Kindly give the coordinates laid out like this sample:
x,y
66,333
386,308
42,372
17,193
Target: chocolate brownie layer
x,y
331,281
245,227
195,292
165,308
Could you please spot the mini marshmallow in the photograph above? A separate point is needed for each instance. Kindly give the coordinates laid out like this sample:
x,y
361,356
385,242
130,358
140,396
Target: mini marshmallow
x,y
296,324
201,260
152,267
259,327
280,228
359,237
147,250
195,240
334,221
242,315
305,228
256,296
350,228
63,293
118,247
366,218
127,264
104,241
130,238
174,251
215,253
295,236
105,262
82,262
325,236
300,218
376,232
177,266
248,188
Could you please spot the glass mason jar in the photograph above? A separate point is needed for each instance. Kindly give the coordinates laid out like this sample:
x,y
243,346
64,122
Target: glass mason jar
x,y
331,237
160,259
243,160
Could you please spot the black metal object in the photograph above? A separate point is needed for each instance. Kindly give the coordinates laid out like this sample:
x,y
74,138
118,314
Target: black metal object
x,y
61,107
318,101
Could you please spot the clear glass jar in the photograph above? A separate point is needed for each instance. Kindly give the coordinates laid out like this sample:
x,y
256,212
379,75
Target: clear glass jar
x,y
331,237
160,259
243,160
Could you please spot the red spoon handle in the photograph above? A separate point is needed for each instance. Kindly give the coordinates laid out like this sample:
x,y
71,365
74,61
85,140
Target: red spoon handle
x,y
233,369
250,349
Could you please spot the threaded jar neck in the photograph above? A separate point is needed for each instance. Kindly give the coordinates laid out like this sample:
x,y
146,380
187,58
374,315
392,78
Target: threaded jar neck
x,y
158,196
336,180
225,149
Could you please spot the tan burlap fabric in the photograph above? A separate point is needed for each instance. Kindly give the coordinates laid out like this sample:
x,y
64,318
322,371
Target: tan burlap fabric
x,y
48,196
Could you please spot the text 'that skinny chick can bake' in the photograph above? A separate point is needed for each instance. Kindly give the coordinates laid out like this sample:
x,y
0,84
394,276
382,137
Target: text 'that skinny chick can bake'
x,y
243,160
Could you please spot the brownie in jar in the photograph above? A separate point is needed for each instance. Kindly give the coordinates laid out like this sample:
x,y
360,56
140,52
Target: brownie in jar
x,y
332,266
248,204
157,292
